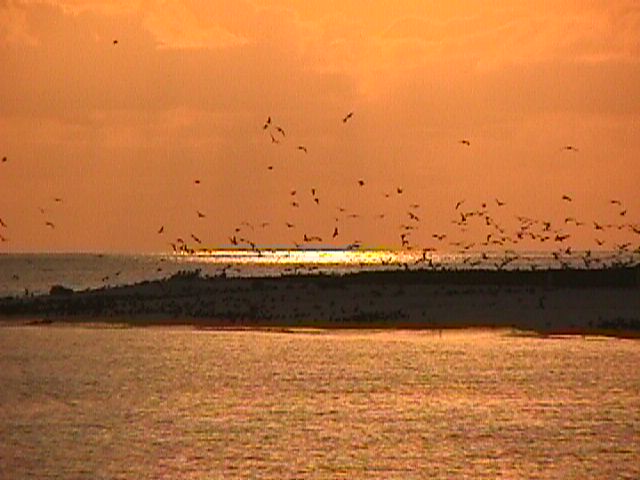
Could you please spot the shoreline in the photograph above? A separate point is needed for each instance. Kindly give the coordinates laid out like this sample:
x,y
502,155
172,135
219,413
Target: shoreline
x,y
548,302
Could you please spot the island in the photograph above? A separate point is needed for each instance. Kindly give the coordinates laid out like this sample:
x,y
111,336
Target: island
x,y
602,301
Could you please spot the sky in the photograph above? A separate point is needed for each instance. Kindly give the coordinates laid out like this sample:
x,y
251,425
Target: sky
x,y
121,119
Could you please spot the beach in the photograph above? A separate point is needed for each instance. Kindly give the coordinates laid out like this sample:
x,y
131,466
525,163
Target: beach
x,y
604,301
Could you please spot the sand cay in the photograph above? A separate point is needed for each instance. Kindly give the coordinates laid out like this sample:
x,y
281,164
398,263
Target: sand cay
x,y
578,301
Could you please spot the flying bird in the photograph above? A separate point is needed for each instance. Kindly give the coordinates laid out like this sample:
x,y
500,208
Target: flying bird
x,y
335,232
302,148
566,198
161,229
570,148
267,123
465,142
196,181
459,204
399,190
361,182
200,214
115,41
4,159
2,223
57,199
196,239
280,130
499,203
50,224
347,117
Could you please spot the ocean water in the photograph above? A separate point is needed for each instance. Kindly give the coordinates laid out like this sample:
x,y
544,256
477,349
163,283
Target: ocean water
x,y
154,403
36,273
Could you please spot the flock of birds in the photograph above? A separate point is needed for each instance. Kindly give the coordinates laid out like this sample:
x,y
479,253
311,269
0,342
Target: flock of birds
x,y
484,221
488,230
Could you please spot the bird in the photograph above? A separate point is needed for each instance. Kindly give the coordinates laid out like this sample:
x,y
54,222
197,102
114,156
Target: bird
x,y
399,190
566,197
280,130
196,181
616,202
196,239
200,214
289,225
466,142
335,232
361,183
499,203
4,159
347,117
267,123
302,148
3,224
233,240
161,229
57,199
50,224
115,41
570,148
274,139
459,204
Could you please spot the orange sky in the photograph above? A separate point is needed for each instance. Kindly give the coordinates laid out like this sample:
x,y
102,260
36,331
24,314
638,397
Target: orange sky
x,y
121,132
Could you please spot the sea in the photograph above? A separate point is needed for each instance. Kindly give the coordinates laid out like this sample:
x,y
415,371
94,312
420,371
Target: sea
x,y
36,273
100,402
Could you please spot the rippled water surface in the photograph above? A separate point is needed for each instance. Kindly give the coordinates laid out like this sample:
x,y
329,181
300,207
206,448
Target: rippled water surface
x,y
175,403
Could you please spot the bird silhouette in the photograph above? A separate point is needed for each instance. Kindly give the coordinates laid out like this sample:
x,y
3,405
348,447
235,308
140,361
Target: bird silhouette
x,y
566,198
459,204
399,190
50,224
3,224
267,123
347,117
281,131
302,148
4,159
570,148
161,229
499,203
200,214
196,239
335,232
361,182
465,142
115,41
